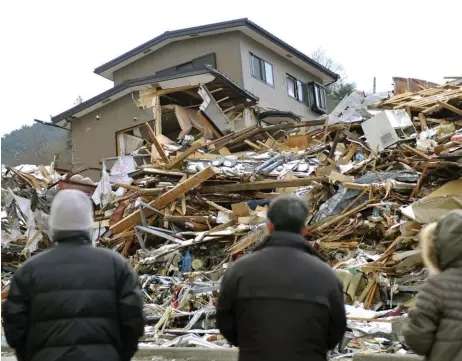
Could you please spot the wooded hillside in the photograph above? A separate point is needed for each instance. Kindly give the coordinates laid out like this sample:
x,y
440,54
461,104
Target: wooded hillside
x,y
37,144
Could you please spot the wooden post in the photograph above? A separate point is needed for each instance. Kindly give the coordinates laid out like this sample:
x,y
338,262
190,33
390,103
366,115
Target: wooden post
x,y
158,112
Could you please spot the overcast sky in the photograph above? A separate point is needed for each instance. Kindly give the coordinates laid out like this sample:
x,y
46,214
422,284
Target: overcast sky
x,y
50,48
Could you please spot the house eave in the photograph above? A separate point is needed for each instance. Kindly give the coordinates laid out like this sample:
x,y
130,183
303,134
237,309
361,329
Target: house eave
x,y
244,25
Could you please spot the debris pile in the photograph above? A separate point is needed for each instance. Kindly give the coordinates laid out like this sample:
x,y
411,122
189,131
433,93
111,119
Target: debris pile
x,y
373,173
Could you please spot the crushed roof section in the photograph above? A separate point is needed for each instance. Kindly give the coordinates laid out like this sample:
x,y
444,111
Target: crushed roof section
x,y
150,80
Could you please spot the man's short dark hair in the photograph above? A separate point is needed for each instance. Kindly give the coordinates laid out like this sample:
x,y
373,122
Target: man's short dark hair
x,y
288,214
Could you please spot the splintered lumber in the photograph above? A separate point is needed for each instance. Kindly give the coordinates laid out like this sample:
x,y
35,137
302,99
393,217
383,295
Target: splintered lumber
x,y
423,121
126,186
319,227
253,145
161,172
261,195
156,143
416,151
218,207
266,184
150,191
335,245
182,188
450,107
178,159
199,219
256,131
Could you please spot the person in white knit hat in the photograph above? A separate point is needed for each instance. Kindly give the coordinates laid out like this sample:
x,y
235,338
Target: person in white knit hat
x,y
74,301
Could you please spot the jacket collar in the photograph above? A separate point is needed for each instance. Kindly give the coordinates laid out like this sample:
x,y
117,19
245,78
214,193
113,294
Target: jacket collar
x,y
288,239
71,237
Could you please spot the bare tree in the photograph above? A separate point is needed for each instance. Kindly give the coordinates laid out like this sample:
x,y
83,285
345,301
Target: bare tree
x,y
78,101
319,55
341,88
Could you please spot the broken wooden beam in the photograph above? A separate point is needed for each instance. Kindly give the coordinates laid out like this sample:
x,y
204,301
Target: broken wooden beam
x,y
198,219
218,207
450,107
179,158
423,121
156,143
253,145
150,191
266,184
182,188
416,151
161,172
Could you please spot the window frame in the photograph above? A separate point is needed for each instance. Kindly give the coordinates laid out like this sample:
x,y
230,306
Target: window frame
x,y
262,69
303,87
317,95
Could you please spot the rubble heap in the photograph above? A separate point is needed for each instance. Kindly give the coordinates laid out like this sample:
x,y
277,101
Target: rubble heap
x,y
373,173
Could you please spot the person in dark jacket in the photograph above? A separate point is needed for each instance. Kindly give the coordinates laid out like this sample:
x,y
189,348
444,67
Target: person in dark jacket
x,y
73,302
282,302
434,326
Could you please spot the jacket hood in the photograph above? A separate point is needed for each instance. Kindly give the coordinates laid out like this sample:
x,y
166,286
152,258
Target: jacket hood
x,y
441,243
288,239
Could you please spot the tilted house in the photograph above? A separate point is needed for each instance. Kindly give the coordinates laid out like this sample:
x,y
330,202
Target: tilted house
x,y
200,79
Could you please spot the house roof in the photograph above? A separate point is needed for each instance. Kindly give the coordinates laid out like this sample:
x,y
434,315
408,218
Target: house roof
x,y
136,84
246,26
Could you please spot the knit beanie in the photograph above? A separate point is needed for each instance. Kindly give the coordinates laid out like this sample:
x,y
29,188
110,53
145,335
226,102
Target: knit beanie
x,y
71,210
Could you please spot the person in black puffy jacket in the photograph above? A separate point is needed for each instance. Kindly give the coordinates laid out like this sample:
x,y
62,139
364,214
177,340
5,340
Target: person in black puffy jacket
x,y
74,302
282,302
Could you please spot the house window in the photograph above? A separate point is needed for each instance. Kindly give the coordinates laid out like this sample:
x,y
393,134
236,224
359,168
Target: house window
x,y
261,69
318,99
296,89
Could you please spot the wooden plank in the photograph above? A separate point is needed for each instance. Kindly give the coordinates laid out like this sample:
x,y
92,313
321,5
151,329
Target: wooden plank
x,y
266,184
151,170
416,151
253,145
228,109
209,156
218,207
222,100
199,219
335,245
318,227
450,107
215,90
423,121
263,144
431,109
224,151
253,132
261,195
182,188
351,152
126,186
179,158
156,143
150,191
